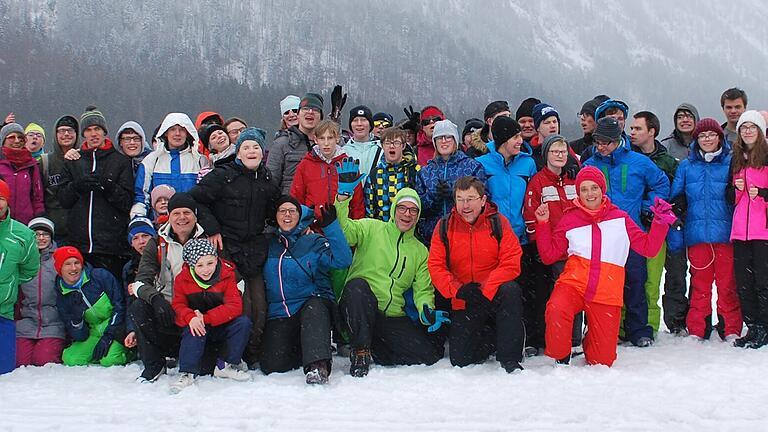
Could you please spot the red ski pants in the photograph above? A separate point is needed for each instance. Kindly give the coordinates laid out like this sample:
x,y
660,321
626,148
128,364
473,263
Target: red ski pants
x,y
713,262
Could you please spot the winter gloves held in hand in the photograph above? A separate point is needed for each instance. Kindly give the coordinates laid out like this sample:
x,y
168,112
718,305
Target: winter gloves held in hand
x,y
472,294
662,211
349,175
87,183
102,347
433,318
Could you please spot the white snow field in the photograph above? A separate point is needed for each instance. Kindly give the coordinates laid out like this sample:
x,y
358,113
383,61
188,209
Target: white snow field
x,y
679,384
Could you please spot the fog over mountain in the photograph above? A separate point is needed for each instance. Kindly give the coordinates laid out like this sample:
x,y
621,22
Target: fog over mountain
x,y
139,59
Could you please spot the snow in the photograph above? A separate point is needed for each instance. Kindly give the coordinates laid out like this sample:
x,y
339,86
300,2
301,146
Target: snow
x,y
678,384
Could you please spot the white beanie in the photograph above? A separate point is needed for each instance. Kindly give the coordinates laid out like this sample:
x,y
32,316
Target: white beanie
x,y
290,102
752,116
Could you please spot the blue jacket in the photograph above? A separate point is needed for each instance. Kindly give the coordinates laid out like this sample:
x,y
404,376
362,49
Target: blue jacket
x,y
432,206
507,183
108,314
297,265
633,180
709,215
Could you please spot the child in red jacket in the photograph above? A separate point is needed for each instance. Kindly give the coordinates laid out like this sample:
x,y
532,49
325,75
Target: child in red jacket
x,y
208,307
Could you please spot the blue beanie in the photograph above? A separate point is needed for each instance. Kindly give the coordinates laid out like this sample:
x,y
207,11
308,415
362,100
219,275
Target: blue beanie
x,y
611,103
140,225
542,112
251,134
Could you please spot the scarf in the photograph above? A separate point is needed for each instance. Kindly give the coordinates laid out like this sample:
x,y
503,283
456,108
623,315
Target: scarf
x,y
106,146
17,157
229,151
709,157
205,284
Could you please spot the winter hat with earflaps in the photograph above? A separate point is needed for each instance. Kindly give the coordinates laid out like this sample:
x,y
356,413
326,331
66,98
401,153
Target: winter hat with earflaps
x,y
196,248
445,128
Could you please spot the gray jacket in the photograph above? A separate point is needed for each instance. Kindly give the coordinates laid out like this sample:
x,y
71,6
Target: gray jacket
x,y
285,153
39,316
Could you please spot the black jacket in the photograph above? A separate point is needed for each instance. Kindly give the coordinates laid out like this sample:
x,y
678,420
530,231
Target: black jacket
x,y
98,219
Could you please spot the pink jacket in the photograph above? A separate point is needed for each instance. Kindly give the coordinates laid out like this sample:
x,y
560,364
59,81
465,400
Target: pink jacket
x,y
749,216
26,189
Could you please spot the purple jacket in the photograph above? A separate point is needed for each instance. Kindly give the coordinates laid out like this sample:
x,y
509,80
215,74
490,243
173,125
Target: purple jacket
x,y
26,189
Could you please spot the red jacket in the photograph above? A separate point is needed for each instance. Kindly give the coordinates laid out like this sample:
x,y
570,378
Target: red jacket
x,y
316,183
476,256
557,191
219,303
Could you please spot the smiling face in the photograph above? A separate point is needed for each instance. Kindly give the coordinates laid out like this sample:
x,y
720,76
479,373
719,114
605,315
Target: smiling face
x,y
131,143
206,266
183,221
326,143
235,128
406,215
287,216
250,154
71,270
176,136
43,239
291,117
15,140
66,135
527,128
94,136
218,141
469,204
512,146
308,118
748,133
684,121
445,146
360,129
590,195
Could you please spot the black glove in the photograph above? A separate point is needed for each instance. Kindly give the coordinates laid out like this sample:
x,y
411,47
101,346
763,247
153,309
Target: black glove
x,y
413,119
571,170
102,347
680,206
107,184
337,103
76,308
470,292
646,218
327,216
444,190
163,311
87,183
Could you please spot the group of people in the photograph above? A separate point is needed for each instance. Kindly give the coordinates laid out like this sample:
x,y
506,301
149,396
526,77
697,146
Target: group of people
x,y
209,247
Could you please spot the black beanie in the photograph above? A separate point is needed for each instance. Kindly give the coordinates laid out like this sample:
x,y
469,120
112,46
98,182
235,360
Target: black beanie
x,y
494,108
591,105
182,200
68,121
207,131
361,111
287,199
525,109
503,129
471,125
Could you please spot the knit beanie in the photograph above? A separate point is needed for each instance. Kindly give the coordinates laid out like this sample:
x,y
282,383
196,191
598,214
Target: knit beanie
x,y
312,100
709,125
526,108
494,108
140,225
446,128
503,129
68,121
290,102
685,106
591,173
251,134
471,125
611,103
287,199
92,117
196,248
64,253
752,116
608,129
41,223
542,112
182,200
5,190
9,129
34,127
207,131
382,116
548,141
361,111
161,191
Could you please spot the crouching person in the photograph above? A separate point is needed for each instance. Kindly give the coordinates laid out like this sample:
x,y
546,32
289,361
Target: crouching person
x,y
91,305
474,260
300,299
388,264
597,236
209,308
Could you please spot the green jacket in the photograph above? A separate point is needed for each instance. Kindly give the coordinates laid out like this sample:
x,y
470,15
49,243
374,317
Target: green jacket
x,y
19,261
661,157
390,261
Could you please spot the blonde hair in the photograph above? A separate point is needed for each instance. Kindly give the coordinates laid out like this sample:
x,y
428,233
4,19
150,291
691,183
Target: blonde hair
x,y
328,126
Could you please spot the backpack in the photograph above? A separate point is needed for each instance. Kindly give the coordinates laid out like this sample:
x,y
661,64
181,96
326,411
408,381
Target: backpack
x,y
496,232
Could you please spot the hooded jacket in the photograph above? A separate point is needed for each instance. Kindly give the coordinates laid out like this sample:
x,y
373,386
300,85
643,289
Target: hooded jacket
x,y
101,300
285,154
19,261
199,123
39,317
674,143
316,182
596,248
750,216
556,190
219,302
384,182
434,207
52,170
145,147
298,263
507,182
98,219
392,262
476,256
633,180
177,168
369,153
26,185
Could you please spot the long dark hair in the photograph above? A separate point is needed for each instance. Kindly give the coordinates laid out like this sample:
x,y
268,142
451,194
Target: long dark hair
x,y
755,157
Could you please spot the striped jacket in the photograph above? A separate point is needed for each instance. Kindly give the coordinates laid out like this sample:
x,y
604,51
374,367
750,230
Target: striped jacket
x,y
597,248
384,183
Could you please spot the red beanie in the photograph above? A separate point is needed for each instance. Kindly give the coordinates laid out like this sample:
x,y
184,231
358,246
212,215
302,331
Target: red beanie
x,y
593,174
64,253
5,191
708,125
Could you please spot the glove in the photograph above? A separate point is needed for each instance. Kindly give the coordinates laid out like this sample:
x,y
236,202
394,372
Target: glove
x,y
646,218
663,211
414,117
471,293
349,175
102,347
163,311
571,170
327,216
432,318
680,205
337,103
107,184
87,183
76,309
444,190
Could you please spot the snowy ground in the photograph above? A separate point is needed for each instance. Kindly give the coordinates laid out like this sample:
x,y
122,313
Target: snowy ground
x,y
679,384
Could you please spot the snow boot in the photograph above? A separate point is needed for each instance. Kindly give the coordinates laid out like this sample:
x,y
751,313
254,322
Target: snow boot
x,y
317,373
360,362
531,351
151,373
747,338
720,326
761,337
185,380
643,342
511,366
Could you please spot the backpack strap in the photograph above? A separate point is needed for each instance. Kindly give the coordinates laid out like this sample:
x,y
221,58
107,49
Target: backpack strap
x,y
496,229
44,166
444,238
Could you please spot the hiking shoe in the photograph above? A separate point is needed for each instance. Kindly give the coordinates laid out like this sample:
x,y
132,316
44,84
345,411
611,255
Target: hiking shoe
x,y
151,374
231,371
746,339
360,362
317,373
564,361
643,342
512,366
185,380
531,351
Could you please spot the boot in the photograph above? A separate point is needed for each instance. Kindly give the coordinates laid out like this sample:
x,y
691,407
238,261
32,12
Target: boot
x,y
317,373
720,327
563,361
707,327
360,362
511,366
152,373
185,380
747,338
761,337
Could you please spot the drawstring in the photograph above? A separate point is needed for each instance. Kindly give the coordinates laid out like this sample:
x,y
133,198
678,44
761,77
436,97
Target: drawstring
x,y
708,264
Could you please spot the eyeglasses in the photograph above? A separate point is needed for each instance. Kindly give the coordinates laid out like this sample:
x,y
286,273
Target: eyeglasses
x,y
401,209
42,234
17,137
444,138
290,211
603,143
430,120
467,200
136,139
65,130
558,152
392,143
707,136
748,128
233,132
290,111
682,116
34,135
309,108
382,123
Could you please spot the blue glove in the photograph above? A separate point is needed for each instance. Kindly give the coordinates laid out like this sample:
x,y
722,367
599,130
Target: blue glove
x,y
102,347
434,319
349,175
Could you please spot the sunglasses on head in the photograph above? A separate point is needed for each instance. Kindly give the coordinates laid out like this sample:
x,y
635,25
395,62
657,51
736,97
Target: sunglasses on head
x,y
430,120
294,111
